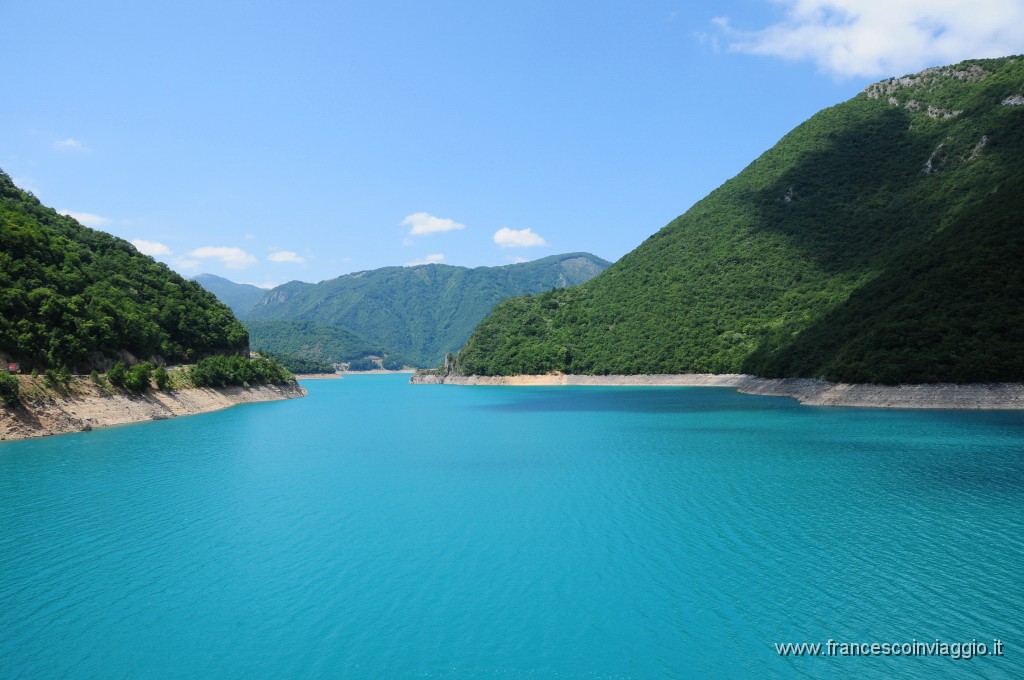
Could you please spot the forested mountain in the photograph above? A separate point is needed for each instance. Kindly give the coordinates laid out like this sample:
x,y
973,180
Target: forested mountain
x,y
75,298
880,241
413,314
240,297
305,340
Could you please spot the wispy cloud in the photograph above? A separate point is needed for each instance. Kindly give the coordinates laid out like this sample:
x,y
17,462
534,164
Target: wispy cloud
x,y
435,258
518,238
185,263
152,248
424,223
286,256
230,257
516,259
870,38
88,219
69,144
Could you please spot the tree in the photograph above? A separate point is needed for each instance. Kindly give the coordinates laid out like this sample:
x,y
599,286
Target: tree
x,y
117,374
139,376
10,390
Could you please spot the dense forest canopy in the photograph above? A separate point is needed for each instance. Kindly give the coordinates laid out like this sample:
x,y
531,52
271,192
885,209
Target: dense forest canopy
x,y
880,241
304,346
76,298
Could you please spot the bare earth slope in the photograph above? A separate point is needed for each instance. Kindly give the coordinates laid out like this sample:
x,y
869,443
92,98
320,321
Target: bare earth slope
x,y
84,406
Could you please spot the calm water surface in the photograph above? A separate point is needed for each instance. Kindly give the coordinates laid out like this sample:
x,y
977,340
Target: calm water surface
x,y
381,530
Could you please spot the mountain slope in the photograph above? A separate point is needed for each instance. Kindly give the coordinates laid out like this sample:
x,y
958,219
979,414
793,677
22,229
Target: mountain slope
x,y
240,297
308,341
77,298
418,314
880,241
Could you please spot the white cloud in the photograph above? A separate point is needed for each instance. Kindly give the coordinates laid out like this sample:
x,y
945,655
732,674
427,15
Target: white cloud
x,y
152,248
429,259
518,238
516,259
286,256
69,144
185,263
266,284
88,219
871,38
230,257
424,223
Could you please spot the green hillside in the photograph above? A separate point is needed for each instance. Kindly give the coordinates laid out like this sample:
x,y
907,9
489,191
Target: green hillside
x,y
75,298
308,341
240,297
414,314
880,241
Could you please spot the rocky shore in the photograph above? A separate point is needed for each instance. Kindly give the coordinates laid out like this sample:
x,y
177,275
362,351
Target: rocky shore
x,y
85,406
806,391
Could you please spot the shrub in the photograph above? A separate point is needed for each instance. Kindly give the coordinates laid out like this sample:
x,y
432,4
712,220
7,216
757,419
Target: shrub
x,y
220,371
363,364
56,377
10,390
138,377
392,364
117,374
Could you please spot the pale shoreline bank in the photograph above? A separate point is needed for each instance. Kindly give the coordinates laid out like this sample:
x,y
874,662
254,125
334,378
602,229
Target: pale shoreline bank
x,y
342,374
810,392
87,407
380,371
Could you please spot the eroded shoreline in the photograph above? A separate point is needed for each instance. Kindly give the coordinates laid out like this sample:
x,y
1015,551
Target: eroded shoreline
x,y
1002,396
88,407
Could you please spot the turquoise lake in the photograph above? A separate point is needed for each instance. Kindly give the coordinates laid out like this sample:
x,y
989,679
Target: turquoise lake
x,y
381,530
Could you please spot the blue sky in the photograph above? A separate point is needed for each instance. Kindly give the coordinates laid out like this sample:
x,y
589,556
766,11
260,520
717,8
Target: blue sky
x,y
267,142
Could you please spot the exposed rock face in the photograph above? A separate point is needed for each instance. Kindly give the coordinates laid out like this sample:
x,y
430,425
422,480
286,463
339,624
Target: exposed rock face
x,y
976,152
971,74
935,161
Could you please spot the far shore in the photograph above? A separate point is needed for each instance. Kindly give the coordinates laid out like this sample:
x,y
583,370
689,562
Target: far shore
x,y
380,371
342,374
1002,396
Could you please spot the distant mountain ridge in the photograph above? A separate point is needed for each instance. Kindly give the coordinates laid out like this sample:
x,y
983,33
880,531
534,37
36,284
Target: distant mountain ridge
x,y
880,241
240,297
413,314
